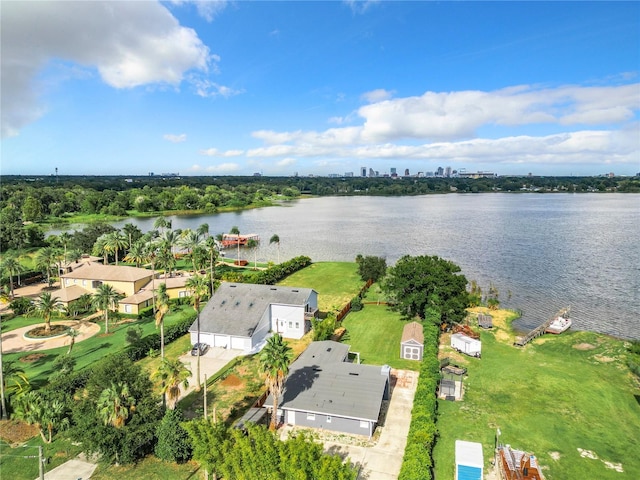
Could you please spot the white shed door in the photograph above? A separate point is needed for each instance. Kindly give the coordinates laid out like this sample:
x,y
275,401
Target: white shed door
x,y
411,353
221,341
237,343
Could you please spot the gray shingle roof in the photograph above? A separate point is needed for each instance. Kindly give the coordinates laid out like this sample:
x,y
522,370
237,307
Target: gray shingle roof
x,y
321,382
236,308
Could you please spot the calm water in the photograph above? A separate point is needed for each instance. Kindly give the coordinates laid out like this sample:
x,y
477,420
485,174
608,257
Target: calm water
x,y
542,251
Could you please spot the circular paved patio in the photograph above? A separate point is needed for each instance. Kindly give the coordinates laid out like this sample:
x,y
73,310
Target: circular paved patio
x,y
14,340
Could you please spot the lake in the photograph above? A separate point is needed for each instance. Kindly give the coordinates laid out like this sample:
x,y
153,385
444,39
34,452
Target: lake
x,y
542,251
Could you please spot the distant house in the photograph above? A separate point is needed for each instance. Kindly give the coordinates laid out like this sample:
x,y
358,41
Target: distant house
x,y
324,390
176,288
126,280
240,315
412,342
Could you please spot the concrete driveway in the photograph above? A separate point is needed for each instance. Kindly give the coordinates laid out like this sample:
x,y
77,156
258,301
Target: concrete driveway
x,y
210,363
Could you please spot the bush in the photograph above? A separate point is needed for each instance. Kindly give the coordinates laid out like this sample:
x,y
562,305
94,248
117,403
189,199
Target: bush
x,y
356,304
21,306
273,275
174,444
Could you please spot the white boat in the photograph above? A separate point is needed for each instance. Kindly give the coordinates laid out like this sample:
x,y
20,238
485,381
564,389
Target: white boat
x,y
560,323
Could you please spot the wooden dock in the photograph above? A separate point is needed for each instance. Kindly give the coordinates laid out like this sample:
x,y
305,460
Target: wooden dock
x,y
536,332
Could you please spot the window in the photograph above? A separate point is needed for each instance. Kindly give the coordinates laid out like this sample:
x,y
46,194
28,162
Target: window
x,y
311,417
182,294
364,424
127,309
290,324
297,324
328,418
84,283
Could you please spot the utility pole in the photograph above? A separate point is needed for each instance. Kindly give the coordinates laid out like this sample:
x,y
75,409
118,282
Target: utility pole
x,y
3,405
205,396
41,462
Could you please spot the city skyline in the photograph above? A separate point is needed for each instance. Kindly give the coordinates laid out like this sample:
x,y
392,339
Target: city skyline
x,y
235,88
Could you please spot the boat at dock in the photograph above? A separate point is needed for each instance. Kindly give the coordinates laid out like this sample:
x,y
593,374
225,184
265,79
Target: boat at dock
x,y
561,323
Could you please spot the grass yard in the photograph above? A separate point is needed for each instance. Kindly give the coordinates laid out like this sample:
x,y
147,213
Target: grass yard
x,y
38,365
336,283
557,397
151,468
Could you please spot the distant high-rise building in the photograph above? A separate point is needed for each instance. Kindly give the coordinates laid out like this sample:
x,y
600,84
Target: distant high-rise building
x,y
372,173
393,170
348,174
406,172
447,172
440,172
363,171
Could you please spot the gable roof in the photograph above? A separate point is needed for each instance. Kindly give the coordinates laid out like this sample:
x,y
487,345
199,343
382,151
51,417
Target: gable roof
x,y
114,273
69,294
237,308
412,331
321,382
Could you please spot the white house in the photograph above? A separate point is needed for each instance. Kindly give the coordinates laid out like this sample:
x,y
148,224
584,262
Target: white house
x,y
240,315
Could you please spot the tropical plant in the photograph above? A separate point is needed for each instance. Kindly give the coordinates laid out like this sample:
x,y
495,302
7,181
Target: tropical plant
x,y
197,286
203,230
46,259
105,299
45,306
14,378
173,444
275,239
12,266
47,414
115,404
72,333
211,247
236,231
252,245
190,241
132,232
163,308
274,362
136,253
172,374
101,247
162,223
115,242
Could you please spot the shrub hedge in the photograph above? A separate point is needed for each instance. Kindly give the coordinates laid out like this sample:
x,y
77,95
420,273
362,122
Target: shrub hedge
x,y
274,274
417,463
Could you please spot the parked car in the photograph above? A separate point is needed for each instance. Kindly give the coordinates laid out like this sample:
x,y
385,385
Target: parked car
x,y
203,347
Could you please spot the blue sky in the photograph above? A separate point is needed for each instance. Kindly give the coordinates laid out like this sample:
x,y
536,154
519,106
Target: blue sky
x,y
233,88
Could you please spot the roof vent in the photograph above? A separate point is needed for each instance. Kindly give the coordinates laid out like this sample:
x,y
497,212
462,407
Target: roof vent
x,y
237,303
273,288
295,291
251,304
222,303
354,374
232,286
329,349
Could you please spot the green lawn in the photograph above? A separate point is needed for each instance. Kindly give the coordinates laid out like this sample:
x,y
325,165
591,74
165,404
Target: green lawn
x,y
336,283
87,351
551,399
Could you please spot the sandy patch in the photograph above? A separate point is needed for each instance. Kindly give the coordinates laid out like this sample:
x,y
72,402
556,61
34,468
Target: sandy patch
x,y
587,453
604,358
584,346
555,455
614,466
231,381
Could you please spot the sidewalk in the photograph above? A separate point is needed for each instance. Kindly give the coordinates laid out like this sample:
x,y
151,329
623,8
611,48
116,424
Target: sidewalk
x,y
80,468
14,340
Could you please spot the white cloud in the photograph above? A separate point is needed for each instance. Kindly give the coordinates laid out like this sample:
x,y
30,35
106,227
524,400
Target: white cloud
x,y
360,6
286,162
376,95
207,9
207,88
175,138
128,43
224,168
214,152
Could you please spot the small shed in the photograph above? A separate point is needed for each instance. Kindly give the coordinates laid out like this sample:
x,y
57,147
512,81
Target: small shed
x,y
469,461
412,343
485,321
467,345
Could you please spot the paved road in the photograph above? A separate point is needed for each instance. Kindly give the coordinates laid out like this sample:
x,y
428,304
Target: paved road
x,y
14,340
210,363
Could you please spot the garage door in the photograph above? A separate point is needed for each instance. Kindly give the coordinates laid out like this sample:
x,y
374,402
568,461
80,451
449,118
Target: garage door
x,y
221,341
238,343
411,353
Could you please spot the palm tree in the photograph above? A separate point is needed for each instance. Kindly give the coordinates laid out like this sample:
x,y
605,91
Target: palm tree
x,y
165,258
274,361
190,240
198,287
151,255
275,239
236,231
46,415
14,380
72,333
172,374
211,247
44,306
252,245
129,229
101,247
104,299
115,403
162,223
163,309
117,241
12,266
46,259
136,254
203,230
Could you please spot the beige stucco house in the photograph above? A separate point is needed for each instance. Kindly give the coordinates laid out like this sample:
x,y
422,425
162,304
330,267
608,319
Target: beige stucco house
x,y
126,280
